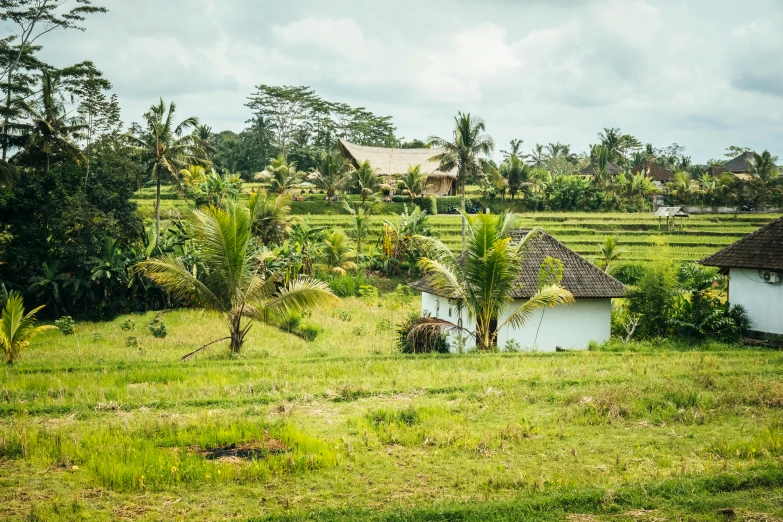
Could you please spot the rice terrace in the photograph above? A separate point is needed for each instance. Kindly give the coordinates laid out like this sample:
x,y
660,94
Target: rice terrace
x,y
271,301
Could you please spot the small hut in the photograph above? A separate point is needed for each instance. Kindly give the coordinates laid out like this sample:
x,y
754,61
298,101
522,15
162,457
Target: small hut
x,y
670,212
392,164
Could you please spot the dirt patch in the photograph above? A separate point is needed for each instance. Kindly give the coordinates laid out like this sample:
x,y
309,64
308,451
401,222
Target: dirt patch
x,y
242,451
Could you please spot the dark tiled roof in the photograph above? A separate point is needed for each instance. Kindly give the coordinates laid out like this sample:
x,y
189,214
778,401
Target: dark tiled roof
x,y
715,171
590,170
580,277
654,171
763,249
740,163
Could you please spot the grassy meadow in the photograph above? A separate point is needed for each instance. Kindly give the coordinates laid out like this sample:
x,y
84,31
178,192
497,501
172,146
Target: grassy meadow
x,y
108,424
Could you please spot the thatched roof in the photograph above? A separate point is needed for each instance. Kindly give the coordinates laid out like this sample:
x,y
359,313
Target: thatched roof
x,y
580,277
392,161
591,169
763,249
654,171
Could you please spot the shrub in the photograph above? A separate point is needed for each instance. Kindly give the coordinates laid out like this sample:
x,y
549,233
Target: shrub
x,y
429,204
157,328
66,325
368,292
127,325
652,299
629,273
443,203
308,332
421,343
348,285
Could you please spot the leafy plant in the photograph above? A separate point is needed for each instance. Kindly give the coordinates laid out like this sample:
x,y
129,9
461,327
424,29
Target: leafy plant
x,y
157,328
66,325
410,341
17,329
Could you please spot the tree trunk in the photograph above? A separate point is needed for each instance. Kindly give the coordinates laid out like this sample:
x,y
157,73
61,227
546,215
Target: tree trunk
x,y
157,211
5,118
237,335
462,204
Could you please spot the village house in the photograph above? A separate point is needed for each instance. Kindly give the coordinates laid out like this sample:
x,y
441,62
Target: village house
x,y
658,174
391,164
755,267
570,327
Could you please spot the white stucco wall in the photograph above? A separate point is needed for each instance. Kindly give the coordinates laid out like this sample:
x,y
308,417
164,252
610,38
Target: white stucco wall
x,y
569,327
763,301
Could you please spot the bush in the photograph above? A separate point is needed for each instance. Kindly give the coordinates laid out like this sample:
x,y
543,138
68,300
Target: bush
x,y
157,328
443,203
348,285
629,273
308,332
428,204
66,325
652,300
421,343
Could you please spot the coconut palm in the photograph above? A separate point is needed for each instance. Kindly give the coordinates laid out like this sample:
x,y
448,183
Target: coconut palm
x,y
332,168
612,140
205,139
17,329
367,180
271,217
336,253
52,130
306,238
190,178
516,173
360,224
537,156
609,252
232,282
514,150
414,184
166,150
482,281
8,174
464,152
763,166
282,174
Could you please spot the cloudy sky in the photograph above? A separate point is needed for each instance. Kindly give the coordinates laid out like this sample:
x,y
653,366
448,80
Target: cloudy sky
x,y
703,73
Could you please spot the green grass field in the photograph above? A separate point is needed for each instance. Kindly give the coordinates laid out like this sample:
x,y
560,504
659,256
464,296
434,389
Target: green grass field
x,y
109,425
639,235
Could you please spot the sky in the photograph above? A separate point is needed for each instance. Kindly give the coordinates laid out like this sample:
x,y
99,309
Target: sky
x,y
703,73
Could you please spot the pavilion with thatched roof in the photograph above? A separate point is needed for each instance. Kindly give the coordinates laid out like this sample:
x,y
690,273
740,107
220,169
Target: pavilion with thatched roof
x,y
393,163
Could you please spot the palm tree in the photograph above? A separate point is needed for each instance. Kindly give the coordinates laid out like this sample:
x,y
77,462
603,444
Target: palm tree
x,y
52,130
332,168
464,153
360,225
205,139
516,173
612,140
414,183
166,149
8,174
601,157
367,180
482,281
50,284
763,166
232,282
271,217
537,156
16,328
336,253
190,178
514,150
306,238
283,174
609,252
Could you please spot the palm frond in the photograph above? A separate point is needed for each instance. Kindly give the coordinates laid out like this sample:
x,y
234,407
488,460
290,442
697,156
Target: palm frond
x,y
545,298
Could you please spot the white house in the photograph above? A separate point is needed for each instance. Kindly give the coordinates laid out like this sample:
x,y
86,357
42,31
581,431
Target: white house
x,y
755,268
567,327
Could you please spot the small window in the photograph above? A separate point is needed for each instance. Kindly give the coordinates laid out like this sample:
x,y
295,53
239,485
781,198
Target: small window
x,y
449,311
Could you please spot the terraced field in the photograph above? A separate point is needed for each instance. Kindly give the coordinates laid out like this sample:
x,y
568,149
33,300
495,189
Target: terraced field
x,y
640,235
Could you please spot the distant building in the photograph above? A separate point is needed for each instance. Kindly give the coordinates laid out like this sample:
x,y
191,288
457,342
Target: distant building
x,y
391,164
590,170
740,166
569,327
755,266
658,174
